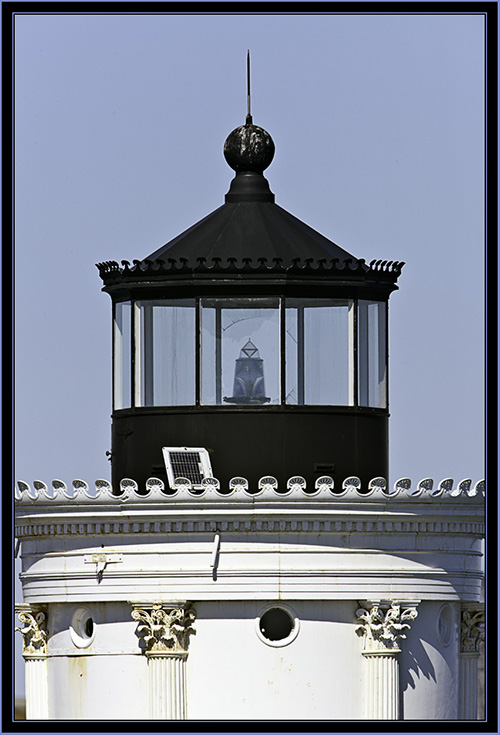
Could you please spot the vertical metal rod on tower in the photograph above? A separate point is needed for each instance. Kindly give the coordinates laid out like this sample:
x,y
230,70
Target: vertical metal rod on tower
x,y
249,115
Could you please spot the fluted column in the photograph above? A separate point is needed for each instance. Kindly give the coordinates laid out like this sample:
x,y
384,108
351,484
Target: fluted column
x,y
382,628
164,630
35,655
167,686
472,633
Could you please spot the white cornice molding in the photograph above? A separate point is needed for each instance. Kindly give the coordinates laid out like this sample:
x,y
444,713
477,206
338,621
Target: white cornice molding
x,y
40,515
162,521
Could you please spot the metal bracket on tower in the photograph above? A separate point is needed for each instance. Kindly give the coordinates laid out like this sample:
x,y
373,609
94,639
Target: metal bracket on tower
x,y
101,561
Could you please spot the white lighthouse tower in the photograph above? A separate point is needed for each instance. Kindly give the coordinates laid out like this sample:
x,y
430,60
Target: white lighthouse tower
x,y
250,559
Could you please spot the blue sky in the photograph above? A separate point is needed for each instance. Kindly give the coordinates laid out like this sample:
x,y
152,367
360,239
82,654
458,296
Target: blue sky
x,y
378,124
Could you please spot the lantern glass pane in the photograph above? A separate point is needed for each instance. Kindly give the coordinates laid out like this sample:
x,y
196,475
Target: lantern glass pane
x,y
165,353
372,353
319,352
122,362
240,351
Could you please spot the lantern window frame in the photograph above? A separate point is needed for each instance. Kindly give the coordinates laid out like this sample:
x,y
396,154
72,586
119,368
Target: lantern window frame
x,y
283,300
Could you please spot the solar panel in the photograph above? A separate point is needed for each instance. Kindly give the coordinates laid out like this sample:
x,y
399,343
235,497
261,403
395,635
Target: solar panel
x,y
190,462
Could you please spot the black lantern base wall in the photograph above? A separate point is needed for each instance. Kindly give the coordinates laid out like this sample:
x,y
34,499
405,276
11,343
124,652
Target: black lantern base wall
x,y
253,443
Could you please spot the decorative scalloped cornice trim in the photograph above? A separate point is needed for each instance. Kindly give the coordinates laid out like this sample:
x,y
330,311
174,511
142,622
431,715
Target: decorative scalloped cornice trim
x,y
379,270
351,491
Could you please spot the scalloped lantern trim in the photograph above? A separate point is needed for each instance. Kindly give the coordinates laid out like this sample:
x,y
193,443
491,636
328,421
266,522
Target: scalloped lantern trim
x,y
378,270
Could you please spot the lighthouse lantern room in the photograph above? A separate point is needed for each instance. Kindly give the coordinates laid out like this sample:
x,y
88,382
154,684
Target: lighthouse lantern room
x,y
254,336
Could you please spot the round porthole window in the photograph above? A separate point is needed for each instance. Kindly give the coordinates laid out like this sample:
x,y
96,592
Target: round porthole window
x,y
445,625
277,625
82,628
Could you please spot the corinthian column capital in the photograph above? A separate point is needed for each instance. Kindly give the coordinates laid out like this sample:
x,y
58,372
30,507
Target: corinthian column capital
x,y
384,624
34,631
472,630
164,627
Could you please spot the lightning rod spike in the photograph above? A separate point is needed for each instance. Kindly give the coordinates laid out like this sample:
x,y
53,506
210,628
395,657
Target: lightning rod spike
x,y
249,115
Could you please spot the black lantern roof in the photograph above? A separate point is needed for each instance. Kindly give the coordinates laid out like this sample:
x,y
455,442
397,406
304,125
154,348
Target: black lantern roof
x,y
250,237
